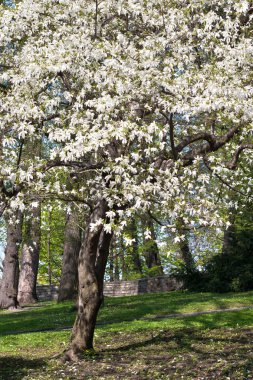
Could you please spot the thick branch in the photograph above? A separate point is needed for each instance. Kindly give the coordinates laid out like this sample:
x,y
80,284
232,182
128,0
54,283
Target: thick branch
x,y
210,138
233,163
216,144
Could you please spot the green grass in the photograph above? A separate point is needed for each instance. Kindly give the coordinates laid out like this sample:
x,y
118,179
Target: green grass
x,y
130,344
51,314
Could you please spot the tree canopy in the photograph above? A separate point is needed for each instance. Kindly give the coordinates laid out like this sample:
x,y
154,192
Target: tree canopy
x,y
136,101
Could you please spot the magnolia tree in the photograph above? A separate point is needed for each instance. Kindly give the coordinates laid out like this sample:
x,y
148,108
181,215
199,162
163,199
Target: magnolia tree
x,y
142,106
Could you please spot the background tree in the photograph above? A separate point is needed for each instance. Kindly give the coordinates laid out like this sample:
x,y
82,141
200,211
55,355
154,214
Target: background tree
x,y
10,277
53,220
29,261
72,244
150,248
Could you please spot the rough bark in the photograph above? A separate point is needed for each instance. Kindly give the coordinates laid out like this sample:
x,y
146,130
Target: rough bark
x,y
91,267
72,244
9,283
30,258
151,251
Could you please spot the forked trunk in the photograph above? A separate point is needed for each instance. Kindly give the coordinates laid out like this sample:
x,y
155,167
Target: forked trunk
x,y
30,259
9,283
72,245
91,267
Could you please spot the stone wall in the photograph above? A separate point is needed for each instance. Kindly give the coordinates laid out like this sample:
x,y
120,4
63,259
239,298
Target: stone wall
x,y
121,288
47,292
141,286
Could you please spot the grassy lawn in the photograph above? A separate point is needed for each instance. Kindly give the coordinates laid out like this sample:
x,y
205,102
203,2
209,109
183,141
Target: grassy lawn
x,y
130,344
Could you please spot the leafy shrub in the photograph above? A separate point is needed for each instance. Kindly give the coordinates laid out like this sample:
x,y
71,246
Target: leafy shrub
x,y
231,270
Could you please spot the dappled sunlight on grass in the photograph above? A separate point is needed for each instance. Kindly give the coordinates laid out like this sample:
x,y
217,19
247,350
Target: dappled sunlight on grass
x,y
52,315
129,344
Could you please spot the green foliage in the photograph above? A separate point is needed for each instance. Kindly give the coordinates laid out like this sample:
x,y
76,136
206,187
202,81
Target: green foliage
x,y
52,240
233,270
152,272
193,280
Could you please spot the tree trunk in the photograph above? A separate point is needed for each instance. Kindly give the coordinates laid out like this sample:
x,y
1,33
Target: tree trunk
x,y
121,258
151,251
30,258
229,235
111,266
186,255
9,283
116,266
185,249
72,245
49,253
137,267
91,267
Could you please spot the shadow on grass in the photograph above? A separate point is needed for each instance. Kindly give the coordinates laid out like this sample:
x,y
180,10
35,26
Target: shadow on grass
x,y
220,353
16,368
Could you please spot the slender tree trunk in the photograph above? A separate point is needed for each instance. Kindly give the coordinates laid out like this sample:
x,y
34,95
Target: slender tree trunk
x,y
9,283
91,267
116,266
111,266
137,267
151,252
72,245
30,258
49,249
121,258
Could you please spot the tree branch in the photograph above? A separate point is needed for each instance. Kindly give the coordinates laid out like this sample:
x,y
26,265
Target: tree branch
x,y
233,163
216,144
82,165
210,138
172,140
